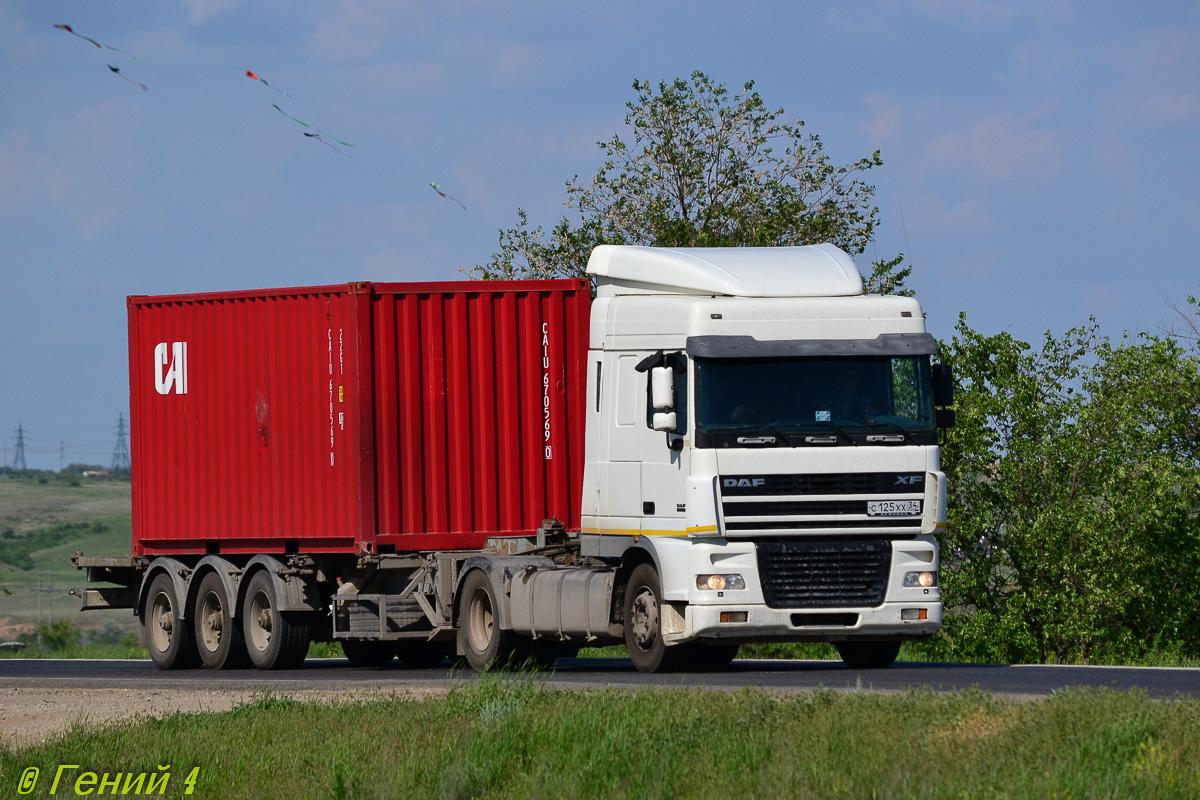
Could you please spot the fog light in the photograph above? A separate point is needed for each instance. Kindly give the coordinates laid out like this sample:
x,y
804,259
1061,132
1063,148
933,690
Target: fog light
x,y
717,583
912,614
925,579
733,616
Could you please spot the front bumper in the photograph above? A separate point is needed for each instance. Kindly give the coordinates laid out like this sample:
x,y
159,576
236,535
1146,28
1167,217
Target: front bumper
x,y
807,625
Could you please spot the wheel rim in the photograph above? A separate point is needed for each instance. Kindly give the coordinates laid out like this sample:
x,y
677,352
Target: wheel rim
x,y
259,620
645,619
162,622
482,621
212,621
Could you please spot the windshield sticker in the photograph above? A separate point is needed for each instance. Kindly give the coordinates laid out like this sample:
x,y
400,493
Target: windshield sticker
x,y
823,416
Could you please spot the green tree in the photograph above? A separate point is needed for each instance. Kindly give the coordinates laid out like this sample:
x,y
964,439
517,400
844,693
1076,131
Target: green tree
x,y
1074,515
704,168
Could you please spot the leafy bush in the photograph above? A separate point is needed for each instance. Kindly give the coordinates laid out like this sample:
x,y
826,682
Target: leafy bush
x,y
59,635
1074,499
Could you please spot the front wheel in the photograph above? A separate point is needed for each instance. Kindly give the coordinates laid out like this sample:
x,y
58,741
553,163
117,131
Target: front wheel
x,y
643,623
868,655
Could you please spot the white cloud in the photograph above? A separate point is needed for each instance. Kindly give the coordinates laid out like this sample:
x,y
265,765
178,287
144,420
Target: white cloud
x,y
1001,146
992,14
887,114
1160,110
200,10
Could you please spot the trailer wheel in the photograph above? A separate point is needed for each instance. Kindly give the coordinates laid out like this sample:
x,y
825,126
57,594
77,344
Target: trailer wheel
x,y
218,633
643,623
482,641
274,639
868,655
168,637
422,655
362,653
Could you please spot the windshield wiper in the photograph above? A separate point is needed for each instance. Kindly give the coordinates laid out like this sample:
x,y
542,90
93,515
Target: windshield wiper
x,y
839,431
773,434
900,434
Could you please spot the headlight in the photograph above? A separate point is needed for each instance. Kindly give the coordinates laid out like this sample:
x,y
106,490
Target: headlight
x,y
719,583
923,579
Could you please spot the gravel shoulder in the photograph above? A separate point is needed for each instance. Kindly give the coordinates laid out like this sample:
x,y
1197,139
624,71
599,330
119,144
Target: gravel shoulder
x,y
33,715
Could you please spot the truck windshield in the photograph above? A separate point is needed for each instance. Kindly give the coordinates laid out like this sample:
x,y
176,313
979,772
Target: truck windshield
x,y
801,401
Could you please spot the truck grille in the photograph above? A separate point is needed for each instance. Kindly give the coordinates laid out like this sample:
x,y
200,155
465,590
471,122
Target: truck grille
x,y
824,574
815,503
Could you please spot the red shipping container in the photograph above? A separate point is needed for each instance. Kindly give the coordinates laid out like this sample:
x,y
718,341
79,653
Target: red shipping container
x,y
366,418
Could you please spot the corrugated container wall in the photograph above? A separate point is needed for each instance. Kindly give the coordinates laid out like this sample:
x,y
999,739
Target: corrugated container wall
x,y
356,418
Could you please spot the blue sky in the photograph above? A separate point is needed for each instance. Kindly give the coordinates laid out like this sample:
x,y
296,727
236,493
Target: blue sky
x,y
1041,158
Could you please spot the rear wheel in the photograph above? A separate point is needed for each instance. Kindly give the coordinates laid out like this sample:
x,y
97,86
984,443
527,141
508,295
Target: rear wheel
x,y
483,643
643,624
274,639
368,654
168,636
868,655
218,634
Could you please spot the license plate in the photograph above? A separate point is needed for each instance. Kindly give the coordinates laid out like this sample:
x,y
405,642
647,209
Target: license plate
x,y
893,508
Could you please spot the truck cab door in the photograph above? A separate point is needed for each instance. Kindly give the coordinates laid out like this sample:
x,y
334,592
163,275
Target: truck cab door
x,y
665,462
621,481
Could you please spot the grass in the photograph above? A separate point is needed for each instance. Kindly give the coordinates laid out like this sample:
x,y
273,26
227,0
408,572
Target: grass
x,y
41,527
501,737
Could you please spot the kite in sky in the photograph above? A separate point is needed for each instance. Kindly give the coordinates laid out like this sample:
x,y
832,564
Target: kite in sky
x,y
319,138
319,134
250,74
145,88
68,29
438,189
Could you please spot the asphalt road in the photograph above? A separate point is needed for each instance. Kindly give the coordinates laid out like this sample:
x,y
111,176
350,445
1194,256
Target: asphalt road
x,y
317,674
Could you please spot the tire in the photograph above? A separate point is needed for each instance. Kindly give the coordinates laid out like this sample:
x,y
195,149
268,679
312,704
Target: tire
x,y
362,653
483,643
868,655
274,639
168,637
217,631
643,624
423,655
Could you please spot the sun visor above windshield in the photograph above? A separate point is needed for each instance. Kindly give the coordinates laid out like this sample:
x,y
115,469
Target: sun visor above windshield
x,y
886,344
805,271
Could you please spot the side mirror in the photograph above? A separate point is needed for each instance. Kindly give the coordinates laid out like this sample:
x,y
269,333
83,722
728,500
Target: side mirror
x,y
943,385
664,421
945,417
662,391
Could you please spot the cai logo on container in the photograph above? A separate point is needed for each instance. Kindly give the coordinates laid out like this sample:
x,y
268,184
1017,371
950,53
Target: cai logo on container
x,y
170,367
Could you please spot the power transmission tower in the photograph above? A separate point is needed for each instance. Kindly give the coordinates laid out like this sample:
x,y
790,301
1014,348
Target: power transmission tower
x,y
120,459
62,451
19,456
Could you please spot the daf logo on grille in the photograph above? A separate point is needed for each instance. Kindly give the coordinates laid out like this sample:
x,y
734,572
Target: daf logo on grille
x,y
730,483
909,480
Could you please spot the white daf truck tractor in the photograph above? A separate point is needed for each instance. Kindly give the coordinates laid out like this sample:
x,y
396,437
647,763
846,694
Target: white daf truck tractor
x,y
762,456
737,445
761,465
